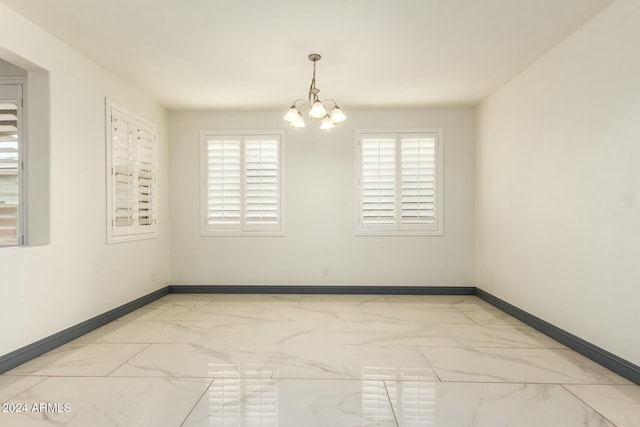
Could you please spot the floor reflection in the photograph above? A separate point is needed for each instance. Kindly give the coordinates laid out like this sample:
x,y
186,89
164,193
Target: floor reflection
x,y
375,402
243,396
413,400
247,395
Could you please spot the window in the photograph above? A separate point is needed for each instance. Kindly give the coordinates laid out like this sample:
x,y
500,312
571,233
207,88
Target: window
x,y
399,182
12,147
132,188
242,182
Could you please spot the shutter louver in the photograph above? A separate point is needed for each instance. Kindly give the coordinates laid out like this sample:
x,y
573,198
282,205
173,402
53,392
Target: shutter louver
x,y
223,183
10,140
378,180
261,182
133,186
146,176
418,179
123,173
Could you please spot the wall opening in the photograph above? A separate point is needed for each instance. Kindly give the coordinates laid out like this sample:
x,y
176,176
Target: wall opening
x,y
35,152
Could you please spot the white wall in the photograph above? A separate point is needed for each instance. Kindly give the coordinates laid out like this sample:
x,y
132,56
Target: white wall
x,y
9,70
77,275
320,208
558,196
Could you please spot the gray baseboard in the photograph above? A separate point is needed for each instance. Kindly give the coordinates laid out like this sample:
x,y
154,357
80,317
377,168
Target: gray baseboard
x,y
322,289
609,360
33,350
614,363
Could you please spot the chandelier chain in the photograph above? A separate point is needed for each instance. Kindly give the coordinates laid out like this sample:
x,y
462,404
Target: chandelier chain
x,y
313,92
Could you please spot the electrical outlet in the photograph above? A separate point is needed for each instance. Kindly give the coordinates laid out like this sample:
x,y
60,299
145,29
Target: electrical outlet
x,y
325,272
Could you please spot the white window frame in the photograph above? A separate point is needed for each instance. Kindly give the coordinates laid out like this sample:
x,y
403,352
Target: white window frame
x,y
135,231
397,228
22,164
241,229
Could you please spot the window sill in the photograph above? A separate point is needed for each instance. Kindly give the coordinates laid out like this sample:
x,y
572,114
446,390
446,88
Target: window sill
x,y
131,238
243,234
435,233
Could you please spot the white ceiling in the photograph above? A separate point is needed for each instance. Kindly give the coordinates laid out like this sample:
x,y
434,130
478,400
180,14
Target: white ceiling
x,y
252,54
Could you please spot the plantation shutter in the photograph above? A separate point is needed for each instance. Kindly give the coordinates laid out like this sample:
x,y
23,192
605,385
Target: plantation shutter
x,y
223,183
378,181
133,184
400,182
418,179
242,179
261,174
10,164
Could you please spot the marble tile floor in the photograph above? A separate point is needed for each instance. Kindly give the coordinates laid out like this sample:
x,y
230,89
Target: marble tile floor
x,y
316,360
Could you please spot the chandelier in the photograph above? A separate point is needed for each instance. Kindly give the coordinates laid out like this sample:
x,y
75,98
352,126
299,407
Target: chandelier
x,y
317,108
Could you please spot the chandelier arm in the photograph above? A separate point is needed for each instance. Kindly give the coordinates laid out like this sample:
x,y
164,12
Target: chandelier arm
x,y
335,104
304,103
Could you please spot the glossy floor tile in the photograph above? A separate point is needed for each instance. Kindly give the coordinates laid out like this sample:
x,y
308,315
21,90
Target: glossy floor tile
x,y
353,362
519,365
198,360
13,385
309,403
487,316
283,361
499,335
619,403
316,360
417,404
105,401
80,360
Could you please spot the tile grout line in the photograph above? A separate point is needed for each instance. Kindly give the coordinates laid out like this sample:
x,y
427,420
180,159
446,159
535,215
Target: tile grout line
x,y
44,378
393,411
123,363
198,401
585,403
433,369
474,322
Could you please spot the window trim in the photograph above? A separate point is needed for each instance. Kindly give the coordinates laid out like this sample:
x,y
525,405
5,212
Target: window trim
x,y
149,232
400,229
253,231
23,226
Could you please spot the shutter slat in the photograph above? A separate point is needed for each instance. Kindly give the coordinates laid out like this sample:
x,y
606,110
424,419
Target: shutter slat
x,y
418,180
123,171
133,185
10,174
223,181
378,181
261,172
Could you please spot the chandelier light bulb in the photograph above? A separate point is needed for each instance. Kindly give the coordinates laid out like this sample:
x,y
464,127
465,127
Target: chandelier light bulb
x,y
317,110
292,114
337,116
327,123
298,122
